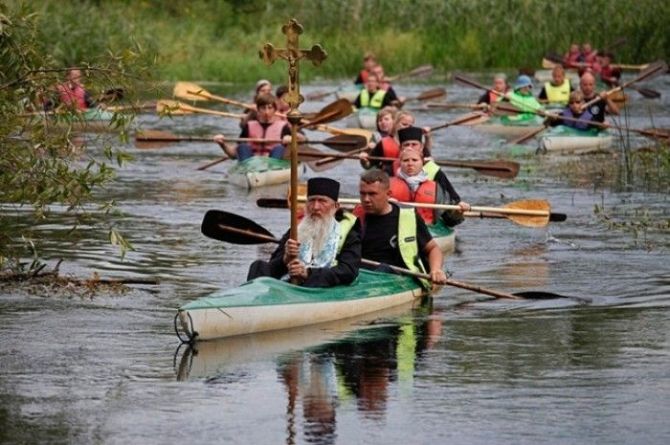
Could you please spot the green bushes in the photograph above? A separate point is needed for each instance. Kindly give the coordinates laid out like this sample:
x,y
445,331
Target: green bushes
x,y
219,40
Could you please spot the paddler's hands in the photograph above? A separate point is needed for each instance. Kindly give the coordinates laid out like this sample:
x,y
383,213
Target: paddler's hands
x,y
438,277
464,206
291,250
219,139
297,269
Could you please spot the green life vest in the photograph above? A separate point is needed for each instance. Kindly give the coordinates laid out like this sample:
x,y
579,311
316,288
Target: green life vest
x,y
558,94
375,101
524,103
408,244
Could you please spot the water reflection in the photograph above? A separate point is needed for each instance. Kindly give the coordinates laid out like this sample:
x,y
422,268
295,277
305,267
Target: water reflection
x,y
324,367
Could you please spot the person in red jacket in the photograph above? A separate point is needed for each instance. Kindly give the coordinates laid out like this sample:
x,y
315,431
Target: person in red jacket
x,y
414,183
72,93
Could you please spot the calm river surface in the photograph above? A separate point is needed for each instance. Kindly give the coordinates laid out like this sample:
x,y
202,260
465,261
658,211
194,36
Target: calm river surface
x,y
461,369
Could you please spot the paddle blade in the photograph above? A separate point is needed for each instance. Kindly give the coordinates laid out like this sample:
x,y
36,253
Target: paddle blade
x,y
272,203
420,71
530,220
171,108
234,229
648,93
429,94
337,110
346,142
190,91
528,136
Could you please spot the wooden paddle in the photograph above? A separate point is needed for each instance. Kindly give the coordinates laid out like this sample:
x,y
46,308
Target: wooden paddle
x,y
349,142
420,71
427,95
236,229
332,112
653,70
646,92
649,133
449,106
522,220
458,121
176,108
194,92
499,169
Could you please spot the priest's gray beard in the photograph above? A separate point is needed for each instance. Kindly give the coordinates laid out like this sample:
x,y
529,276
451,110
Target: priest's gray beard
x,y
317,230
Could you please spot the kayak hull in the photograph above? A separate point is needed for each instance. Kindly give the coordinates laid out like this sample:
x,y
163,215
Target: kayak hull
x,y
259,171
568,140
367,118
509,129
444,236
266,304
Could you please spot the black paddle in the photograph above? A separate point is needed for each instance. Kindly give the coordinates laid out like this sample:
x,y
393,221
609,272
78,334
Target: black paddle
x,y
236,229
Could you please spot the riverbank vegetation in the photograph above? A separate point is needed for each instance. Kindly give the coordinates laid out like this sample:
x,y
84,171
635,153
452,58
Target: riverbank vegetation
x,y
44,168
218,40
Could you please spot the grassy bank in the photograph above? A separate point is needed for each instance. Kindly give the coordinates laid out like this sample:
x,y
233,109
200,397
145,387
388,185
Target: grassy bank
x,y
218,40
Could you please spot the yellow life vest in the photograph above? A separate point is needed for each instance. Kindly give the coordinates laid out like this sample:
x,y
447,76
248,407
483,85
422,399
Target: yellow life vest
x,y
558,94
408,244
375,101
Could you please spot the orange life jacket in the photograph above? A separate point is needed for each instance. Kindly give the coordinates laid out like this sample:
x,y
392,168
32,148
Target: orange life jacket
x,y
256,131
364,75
390,147
426,194
72,97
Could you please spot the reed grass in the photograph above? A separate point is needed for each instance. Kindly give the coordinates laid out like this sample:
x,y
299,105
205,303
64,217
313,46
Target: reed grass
x,y
219,40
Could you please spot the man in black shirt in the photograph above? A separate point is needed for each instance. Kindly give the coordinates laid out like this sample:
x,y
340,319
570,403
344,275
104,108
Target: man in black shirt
x,y
587,83
395,236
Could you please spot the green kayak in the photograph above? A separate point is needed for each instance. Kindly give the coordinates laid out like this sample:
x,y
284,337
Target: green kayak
x,y
267,304
259,171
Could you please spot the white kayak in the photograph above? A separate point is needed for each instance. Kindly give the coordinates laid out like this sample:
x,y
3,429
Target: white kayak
x,y
259,171
569,140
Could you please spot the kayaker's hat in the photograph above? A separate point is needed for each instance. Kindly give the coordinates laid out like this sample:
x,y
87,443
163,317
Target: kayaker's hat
x,y
410,134
261,83
523,81
323,187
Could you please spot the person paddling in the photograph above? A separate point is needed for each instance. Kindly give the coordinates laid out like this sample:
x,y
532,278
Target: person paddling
x,y
587,85
392,235
369,62
573,111
557,91
328,249
267,125
72,93
389,146
372,96
522,98
498,90
419,180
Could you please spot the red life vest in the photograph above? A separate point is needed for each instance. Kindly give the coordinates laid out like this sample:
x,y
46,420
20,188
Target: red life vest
x,y
426,194
390,147
256,131
364,75
72,97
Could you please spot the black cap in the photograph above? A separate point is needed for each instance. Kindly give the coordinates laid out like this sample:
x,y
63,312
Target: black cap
x,y
410,134
324,187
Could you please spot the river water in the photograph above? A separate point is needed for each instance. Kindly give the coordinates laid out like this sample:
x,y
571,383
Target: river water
x,y
458,369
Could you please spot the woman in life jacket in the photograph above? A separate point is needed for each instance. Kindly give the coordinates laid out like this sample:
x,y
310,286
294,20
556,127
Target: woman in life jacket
x,y
414,183
389,146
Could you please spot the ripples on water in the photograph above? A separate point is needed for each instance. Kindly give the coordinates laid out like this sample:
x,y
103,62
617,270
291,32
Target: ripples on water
x,y
464,369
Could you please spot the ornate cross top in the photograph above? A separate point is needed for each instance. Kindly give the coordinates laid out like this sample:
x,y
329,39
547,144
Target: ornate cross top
x,y
292,53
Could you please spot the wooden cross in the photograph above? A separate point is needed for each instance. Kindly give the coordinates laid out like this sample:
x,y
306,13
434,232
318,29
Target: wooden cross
x,y
292,54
